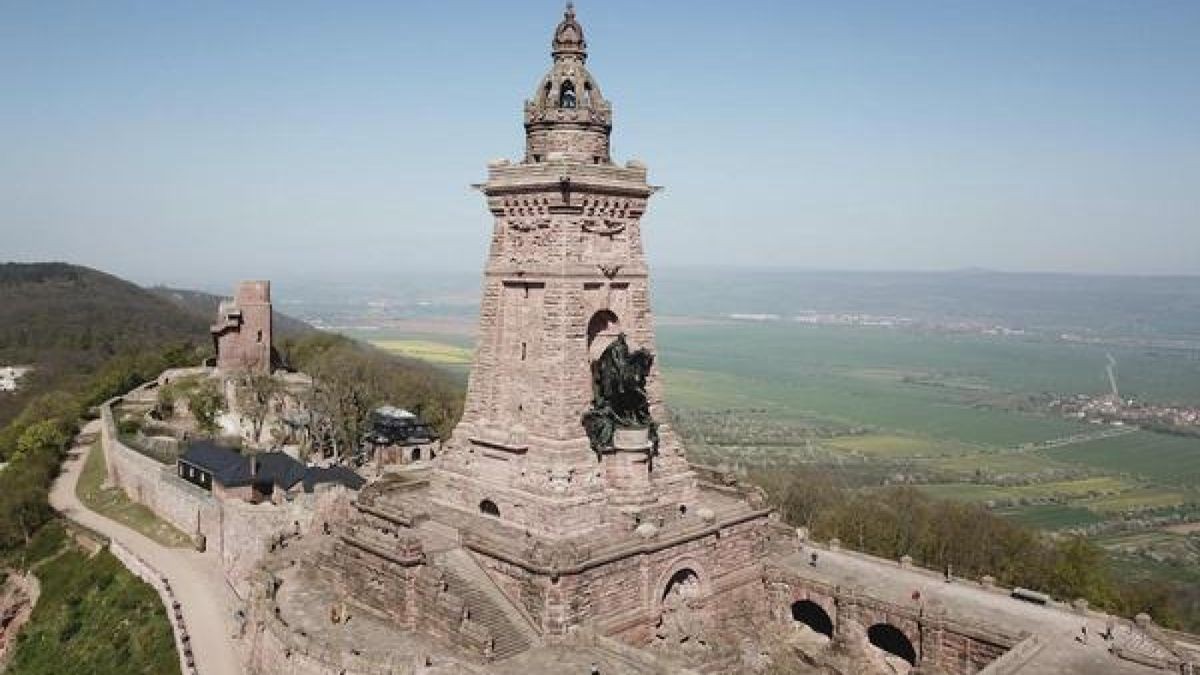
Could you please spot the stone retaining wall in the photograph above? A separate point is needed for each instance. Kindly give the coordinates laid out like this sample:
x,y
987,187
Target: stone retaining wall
x,y
154,484
277,649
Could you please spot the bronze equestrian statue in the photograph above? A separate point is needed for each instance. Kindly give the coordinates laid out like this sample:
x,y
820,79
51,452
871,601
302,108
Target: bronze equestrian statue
x,y
619,395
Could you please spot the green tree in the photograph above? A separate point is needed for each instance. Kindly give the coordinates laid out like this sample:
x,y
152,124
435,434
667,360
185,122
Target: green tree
x,y
205,403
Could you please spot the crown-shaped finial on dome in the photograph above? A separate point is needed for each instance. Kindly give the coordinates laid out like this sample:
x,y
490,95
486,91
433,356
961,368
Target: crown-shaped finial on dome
x,y
568,37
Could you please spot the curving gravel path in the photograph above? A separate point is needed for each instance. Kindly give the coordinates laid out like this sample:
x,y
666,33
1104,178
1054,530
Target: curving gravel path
x,y
196,578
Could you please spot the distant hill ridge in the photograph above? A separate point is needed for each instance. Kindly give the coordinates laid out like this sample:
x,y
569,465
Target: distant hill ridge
x,y
68,320
63,307
204,305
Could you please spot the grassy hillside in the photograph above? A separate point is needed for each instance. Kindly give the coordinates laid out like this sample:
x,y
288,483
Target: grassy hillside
x,y
93,616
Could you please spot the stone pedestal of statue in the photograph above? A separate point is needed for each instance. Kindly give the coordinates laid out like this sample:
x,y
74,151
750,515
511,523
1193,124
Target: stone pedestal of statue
x,y
627,466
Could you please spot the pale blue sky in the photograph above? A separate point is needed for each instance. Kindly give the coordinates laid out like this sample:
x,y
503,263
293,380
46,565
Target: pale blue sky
x,y
167,140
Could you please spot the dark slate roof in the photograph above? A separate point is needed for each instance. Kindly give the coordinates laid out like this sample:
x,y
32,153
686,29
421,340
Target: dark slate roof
x,y
276,468
335,474
219,460
232,469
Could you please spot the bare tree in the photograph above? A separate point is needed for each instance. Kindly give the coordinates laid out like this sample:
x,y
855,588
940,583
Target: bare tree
x,y
257,394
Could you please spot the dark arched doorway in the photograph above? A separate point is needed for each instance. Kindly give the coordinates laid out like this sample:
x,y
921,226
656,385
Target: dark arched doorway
x,y
814,616
489,508
893,641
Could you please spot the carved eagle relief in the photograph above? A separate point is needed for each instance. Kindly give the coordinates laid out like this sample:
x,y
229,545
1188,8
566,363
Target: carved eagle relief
x,y
529,224
603,226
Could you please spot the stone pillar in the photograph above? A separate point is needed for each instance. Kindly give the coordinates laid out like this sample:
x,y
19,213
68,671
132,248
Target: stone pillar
x,y
627,467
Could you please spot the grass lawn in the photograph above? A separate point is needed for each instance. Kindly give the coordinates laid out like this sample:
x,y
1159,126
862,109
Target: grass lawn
x,y
1067,489
113,503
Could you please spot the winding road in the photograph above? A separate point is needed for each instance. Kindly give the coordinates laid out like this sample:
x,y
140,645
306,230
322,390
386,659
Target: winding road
x,y
207,602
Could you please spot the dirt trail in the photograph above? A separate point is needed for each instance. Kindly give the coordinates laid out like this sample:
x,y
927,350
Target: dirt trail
x,y
208,603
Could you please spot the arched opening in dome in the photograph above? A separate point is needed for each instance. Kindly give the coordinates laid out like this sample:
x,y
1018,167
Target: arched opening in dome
x,y
566,95
587,94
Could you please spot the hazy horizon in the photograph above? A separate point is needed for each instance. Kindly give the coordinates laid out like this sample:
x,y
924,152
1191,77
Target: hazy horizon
x,y
187,145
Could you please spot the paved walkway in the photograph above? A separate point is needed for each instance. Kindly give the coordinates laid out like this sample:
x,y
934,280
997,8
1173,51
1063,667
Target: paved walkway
x,y
196,578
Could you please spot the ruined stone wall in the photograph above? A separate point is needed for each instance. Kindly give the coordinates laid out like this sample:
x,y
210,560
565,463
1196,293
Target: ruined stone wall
x,y
247,531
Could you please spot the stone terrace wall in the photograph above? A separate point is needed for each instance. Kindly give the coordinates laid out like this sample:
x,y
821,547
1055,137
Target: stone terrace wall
x,y
246,532
278,649
149,482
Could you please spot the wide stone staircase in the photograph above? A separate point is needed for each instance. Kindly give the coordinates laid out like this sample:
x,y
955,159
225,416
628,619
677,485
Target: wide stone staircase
x,y
512,632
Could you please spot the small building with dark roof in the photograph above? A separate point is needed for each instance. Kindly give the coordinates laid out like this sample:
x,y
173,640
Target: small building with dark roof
x,y
264,476
398,436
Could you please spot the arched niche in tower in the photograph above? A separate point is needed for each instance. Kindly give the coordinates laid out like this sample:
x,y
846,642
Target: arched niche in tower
x,y
566,94
603,328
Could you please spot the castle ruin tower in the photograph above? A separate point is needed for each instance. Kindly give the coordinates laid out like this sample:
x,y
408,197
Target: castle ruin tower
x,y
565,277
242,333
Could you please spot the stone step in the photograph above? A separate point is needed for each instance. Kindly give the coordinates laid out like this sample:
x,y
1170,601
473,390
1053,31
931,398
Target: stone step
x,y
487,605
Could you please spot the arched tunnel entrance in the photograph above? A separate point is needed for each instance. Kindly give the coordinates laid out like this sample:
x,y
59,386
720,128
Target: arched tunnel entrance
x,y
893,641
812,615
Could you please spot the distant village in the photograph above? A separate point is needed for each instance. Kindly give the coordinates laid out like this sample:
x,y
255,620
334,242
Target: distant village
x,y
1127,411
864,319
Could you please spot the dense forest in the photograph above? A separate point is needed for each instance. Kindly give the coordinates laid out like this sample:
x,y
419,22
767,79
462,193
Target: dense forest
x,y
68,321
898,521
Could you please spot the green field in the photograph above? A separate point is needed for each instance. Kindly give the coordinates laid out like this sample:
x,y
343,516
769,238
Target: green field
x,y
1169,459
1051,516
938,387
439,353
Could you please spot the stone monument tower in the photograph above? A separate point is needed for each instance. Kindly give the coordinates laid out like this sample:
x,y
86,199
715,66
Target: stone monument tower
x,y
565,276
563,498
